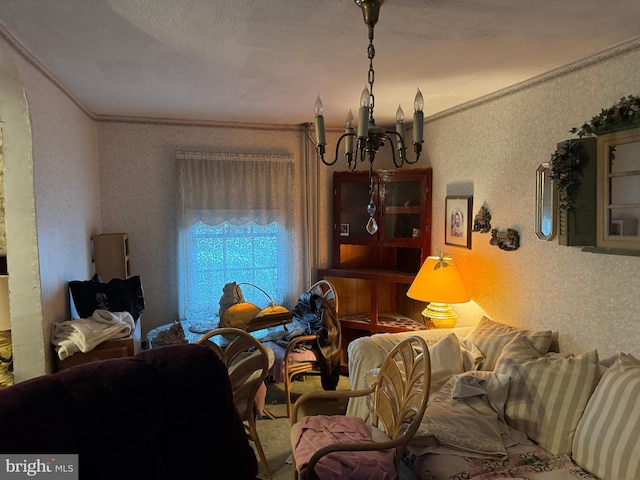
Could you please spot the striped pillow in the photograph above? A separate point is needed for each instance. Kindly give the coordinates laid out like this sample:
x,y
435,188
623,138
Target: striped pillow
x,y
606,441
490,337
548,393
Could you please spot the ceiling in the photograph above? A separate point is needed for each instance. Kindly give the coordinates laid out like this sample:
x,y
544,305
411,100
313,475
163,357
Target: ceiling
x,y
266,61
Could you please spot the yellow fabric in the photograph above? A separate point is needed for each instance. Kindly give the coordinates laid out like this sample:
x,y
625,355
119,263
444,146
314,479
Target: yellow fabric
x,y
6,376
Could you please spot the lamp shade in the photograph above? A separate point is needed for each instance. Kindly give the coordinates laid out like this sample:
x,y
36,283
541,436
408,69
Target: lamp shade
x,y
438,281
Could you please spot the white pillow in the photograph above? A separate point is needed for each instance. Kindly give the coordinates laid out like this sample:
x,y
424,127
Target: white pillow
x,y
472,357
465,418
548,393
491,337
446,361
606,440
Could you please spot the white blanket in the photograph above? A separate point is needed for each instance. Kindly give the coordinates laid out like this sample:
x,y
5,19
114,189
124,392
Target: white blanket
x,y
84,334
466,418
368,353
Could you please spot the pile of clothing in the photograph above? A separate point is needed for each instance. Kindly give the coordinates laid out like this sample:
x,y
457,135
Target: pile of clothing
x,y
314,315
84,334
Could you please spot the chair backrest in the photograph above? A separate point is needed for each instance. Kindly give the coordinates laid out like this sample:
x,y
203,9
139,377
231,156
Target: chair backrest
x,y
247,362
330,340
326,290
402,390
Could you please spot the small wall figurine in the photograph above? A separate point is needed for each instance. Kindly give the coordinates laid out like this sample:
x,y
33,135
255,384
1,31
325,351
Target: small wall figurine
x,y
482,222
508,241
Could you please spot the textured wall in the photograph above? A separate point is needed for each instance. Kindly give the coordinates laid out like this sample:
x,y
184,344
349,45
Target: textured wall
x,y
61,158
138,188
491,151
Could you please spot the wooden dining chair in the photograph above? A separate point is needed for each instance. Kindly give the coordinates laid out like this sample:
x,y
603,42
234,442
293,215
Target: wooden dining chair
x,y
294,361
398,397
247,361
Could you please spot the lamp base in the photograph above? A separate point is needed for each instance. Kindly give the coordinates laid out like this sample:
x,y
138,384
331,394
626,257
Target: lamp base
x,y
441,314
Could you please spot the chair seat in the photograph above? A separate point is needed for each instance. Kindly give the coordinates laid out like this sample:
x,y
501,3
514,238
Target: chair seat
x,y
377,435
321,430
277,370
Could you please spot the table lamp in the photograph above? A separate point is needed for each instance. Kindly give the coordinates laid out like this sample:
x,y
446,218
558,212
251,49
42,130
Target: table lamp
x,y
439,283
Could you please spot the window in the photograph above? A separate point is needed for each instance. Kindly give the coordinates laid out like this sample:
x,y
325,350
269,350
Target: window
x,y
236,224
247,252
619,190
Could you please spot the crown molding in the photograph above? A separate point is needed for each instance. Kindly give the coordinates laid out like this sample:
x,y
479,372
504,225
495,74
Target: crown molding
x,y
26,54
197,123
187,155
621,49
605,55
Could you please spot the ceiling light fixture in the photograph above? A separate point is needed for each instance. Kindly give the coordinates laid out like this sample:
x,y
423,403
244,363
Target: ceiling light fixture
x,y
370,137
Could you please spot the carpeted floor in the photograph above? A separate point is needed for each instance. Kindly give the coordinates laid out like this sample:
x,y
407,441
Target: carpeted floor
x,y
274,434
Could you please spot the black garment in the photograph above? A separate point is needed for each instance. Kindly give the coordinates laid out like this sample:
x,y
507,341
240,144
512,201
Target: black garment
x,y
314,315
118,295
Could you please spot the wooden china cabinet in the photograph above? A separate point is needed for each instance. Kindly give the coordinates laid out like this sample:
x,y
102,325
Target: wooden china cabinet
x,y
373,271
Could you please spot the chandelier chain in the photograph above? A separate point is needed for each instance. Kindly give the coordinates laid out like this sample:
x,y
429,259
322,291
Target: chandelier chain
x,y
371,52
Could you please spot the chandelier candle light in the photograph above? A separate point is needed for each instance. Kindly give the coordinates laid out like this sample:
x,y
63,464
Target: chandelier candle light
x,y
370,137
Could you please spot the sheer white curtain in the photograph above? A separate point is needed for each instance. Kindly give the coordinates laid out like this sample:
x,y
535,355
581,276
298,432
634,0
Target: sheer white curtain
x,y
237,215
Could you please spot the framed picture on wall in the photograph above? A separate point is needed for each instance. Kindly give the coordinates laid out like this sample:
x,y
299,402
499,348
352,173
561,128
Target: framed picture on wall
x,y
457,221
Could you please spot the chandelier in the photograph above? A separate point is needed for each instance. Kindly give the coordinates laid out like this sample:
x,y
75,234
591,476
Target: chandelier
x,y
367,140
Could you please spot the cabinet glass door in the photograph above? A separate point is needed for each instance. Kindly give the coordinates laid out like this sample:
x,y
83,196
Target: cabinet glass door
x,y
354,196
402,209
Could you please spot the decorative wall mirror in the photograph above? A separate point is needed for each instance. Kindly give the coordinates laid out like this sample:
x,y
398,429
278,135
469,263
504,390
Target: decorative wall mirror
x,y
619,190
546,203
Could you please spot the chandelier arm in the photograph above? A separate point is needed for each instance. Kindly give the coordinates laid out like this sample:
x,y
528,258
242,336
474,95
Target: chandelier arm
x,y
417,148
401,148
393,153
320,149
359,154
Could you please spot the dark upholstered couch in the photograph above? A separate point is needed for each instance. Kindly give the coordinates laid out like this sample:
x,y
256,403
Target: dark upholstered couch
x,y
166,413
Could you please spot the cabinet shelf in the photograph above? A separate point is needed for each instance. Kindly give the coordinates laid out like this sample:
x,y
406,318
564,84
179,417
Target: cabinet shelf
x,y
370,274
403,210
388,322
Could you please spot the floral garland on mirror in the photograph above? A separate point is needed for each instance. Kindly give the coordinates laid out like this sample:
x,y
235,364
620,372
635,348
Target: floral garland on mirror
x,y
566,167
566,170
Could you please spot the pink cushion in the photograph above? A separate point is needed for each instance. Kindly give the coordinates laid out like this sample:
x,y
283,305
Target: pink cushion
x,y
277,370
317,431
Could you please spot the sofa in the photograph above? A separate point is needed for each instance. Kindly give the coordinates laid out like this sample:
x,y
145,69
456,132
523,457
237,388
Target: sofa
x,y
504,403
166,414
